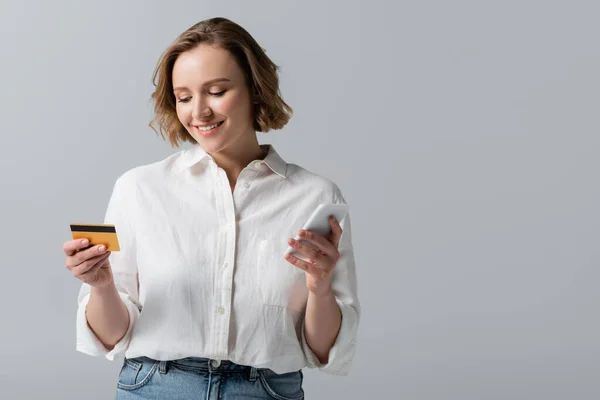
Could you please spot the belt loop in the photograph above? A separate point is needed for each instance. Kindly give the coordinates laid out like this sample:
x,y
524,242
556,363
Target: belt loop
x,y
162,367
253,374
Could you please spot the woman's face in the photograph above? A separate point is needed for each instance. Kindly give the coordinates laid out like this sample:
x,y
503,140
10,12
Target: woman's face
x,y
209,89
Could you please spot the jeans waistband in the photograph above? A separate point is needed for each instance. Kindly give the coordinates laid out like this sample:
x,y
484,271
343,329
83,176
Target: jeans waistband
x,y
202,364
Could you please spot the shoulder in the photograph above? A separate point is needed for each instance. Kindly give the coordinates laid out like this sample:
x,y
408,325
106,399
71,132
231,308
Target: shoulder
x,y
154,173
316,182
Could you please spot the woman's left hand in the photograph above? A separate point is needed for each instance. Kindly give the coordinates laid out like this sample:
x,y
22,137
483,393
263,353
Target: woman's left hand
x,y
321,261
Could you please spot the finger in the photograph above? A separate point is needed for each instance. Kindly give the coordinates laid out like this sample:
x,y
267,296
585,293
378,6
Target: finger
x,y
100,263
92,275
72,246
84,255
321,242
305,266
315,257
336,231
89,264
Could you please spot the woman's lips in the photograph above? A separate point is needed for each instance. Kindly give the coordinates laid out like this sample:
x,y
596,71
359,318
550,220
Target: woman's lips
x,y
211,132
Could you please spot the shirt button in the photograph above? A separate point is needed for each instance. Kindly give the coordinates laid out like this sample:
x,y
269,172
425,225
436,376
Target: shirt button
x,y
246,185
215,363
225,264
257,164
221,310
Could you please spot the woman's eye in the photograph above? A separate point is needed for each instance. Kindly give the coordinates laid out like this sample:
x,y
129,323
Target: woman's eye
x,y
217,94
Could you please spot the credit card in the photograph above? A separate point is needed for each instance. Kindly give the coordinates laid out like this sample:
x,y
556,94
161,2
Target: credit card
x,y
97,234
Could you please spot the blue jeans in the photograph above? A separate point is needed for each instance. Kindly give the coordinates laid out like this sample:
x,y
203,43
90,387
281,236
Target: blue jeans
x,y
202,378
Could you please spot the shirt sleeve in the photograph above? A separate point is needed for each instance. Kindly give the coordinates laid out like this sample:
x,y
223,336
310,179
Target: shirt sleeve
x,y
124,269
345,289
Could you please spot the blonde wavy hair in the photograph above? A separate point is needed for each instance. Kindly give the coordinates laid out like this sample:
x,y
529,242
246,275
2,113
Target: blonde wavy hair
x,y
269,111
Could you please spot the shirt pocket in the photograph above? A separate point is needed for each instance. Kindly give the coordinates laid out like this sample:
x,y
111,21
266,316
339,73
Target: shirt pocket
x,y
280,283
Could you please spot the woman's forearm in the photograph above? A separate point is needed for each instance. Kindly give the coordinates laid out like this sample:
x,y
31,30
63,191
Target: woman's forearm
x,y
322,324
107,315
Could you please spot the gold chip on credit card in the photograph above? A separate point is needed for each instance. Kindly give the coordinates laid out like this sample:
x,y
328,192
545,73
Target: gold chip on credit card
x,y
97,234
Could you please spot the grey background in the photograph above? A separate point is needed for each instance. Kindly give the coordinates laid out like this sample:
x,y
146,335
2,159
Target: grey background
x,y
463,134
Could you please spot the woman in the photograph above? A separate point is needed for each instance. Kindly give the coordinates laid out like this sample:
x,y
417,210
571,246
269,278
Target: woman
x,y
200,298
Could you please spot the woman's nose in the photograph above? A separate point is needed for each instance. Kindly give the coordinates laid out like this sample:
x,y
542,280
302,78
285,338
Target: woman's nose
x,y
201,109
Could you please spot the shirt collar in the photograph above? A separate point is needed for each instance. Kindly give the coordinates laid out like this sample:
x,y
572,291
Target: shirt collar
x,y
196,154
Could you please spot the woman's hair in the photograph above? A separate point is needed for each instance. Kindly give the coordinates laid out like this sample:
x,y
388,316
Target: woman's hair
x,y
269,112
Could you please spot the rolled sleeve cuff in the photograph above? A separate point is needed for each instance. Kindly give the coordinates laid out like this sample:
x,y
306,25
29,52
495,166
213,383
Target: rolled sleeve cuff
x,y
88,343
342,352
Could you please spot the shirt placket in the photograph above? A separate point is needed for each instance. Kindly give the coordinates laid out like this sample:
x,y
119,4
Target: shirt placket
x,y
223,276
223,281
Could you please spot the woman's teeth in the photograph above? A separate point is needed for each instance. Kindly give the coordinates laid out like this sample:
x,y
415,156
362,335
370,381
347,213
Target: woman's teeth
x,y
208,128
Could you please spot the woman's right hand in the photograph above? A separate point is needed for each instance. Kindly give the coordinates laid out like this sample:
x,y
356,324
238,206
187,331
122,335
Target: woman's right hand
x,y
89,265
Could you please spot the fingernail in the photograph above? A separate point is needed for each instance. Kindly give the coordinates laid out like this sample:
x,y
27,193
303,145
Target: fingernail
x,y
84,242
292,241
302,232
101,248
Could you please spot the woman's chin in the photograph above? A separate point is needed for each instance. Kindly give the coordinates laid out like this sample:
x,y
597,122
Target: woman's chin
x,y
209,145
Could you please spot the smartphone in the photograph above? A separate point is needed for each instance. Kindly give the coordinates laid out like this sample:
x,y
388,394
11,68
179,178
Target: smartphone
x,y
319,224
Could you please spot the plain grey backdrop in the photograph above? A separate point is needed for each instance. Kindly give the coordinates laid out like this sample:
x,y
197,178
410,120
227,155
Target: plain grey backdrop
x,y
463,134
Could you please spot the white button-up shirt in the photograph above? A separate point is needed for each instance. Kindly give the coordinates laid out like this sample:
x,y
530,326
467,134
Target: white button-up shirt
x,y
202,270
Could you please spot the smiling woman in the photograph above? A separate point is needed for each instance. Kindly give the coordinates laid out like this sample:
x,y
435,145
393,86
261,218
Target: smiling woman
x,y
228,56
220,105
200,297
